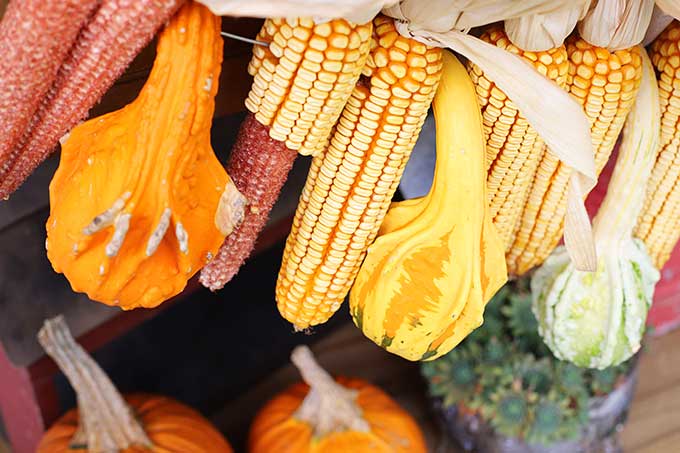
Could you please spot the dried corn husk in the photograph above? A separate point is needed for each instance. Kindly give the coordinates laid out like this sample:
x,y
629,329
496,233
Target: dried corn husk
x,y
670,7
444,15
548,108
617,24
357,11
660,20
543,31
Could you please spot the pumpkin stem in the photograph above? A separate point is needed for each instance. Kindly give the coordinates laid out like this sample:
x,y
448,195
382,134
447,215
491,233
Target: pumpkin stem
x,y
328,407
107,424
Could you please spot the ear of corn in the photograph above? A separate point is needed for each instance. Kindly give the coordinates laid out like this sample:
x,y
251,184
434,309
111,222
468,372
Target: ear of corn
x,y
659,222
605,84
102,51
302,81
350,186
513,147
304,77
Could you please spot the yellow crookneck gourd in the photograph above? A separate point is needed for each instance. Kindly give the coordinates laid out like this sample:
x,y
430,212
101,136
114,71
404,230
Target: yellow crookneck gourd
x,y
139,202
437,260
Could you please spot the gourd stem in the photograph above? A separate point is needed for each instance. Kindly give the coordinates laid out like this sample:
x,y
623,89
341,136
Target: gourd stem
x,y
328,407
106,422
621,207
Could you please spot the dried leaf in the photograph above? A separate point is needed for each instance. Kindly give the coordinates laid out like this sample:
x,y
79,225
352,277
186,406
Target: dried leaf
x,y
445,15
660,20
542,31
670,7
357,11
230,210
578,233
617,24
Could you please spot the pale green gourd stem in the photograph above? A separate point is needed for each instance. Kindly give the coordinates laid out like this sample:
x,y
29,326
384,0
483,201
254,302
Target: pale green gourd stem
x,y
621,207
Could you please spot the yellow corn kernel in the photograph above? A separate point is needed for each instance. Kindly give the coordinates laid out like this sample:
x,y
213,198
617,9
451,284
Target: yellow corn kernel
x,y
350,185
303,79
659,222
605,83
513,147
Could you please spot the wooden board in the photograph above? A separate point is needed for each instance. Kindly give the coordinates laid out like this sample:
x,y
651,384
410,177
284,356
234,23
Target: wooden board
x,y
654,421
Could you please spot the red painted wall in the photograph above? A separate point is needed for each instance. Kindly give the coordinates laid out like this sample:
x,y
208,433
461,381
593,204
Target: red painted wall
x,y
665,312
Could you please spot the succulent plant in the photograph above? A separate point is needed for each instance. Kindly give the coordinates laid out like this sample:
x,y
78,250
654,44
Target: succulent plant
x,y
572,378
537,375
548,422
451,378
523,324
507,375
602,381
495,351
509,413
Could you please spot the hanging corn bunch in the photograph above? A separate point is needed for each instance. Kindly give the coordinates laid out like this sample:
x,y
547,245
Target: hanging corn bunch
x,y
350,186
424,283
302,80
604,75
513,147
659,222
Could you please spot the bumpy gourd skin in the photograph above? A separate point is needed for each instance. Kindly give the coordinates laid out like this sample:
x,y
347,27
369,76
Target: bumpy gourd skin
x,y
134,203
425,281
595,320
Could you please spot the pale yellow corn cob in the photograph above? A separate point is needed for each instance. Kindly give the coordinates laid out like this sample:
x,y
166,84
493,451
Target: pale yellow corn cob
x,y
659,222
305,76
605,84
350,185
513,147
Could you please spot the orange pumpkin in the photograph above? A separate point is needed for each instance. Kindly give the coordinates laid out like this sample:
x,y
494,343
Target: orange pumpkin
x,y
326,416
139,202
105,422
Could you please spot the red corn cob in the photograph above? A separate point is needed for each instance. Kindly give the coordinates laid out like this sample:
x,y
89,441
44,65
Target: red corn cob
x,y
106,46
259,166
35,37
301,82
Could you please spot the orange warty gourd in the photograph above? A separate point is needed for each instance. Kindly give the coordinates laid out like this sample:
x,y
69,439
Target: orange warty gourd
x,y
107,422
139,202
326,416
